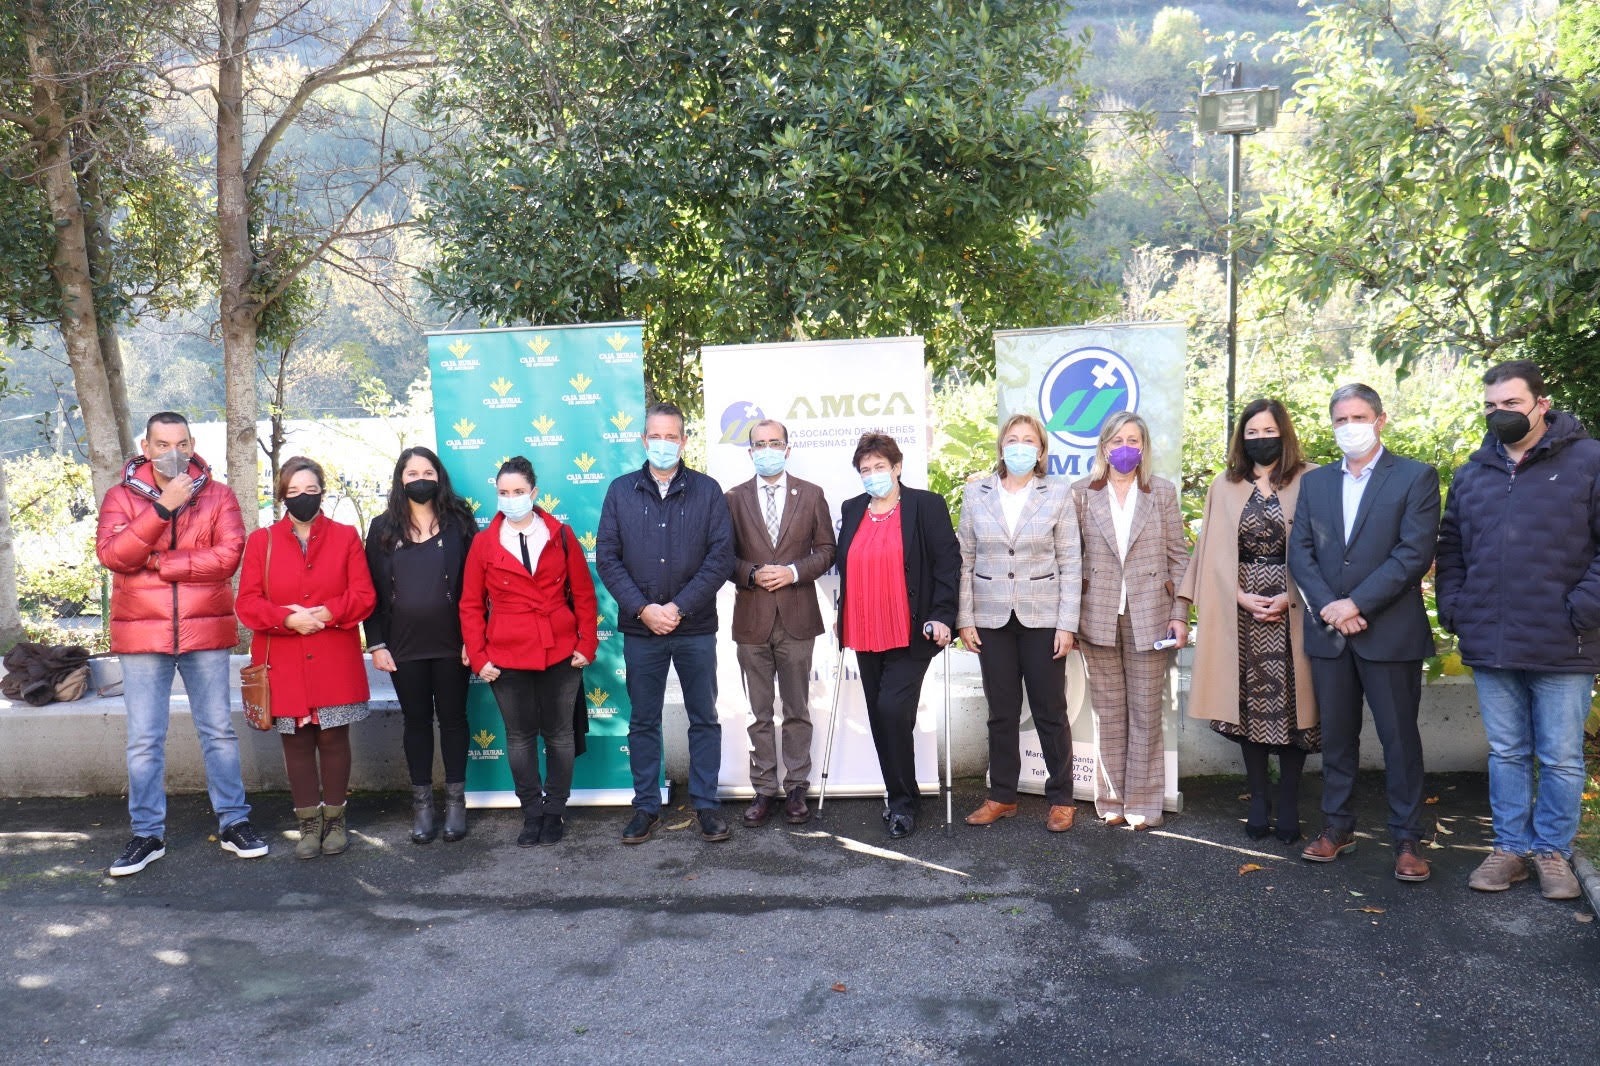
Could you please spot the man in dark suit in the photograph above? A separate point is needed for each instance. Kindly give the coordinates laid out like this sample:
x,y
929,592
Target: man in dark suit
x,y
1363,537
783,541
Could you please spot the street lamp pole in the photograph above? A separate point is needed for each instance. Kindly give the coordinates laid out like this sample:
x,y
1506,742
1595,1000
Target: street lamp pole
x,y
1236,112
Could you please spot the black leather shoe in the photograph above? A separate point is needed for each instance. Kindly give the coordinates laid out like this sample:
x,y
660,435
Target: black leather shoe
x,y
1289,833
713,826
1257,832
640,826
532,826
901,826
795,811
555,827
887,814
760,809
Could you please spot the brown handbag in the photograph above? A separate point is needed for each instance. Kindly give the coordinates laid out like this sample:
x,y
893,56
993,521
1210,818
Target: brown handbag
x,y
255,693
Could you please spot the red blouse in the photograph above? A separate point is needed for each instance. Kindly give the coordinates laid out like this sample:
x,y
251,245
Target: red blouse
x,y
877,611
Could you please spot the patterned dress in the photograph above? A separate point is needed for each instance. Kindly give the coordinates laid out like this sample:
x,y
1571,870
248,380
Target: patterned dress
x,y
1266,667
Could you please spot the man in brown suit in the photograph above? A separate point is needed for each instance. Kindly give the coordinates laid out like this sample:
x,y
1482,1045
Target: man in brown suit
x,y
783,538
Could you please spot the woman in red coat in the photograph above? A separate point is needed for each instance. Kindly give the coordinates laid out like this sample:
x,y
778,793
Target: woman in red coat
x,y
529,623
304,590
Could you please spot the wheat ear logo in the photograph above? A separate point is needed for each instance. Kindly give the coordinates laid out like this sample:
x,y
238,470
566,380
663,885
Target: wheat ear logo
x,y
585,461
549,503
484,738
580,381
464,428
473,504
621,420
460,349
501,386
544,423
539,344
618,341
588,540
597,696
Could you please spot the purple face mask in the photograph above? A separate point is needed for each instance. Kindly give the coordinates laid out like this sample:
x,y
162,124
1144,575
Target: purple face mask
x,y
1124,460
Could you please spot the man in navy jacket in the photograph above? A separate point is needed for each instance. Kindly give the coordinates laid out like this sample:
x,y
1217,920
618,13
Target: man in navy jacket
x,y
1363,537
1519,584
664,548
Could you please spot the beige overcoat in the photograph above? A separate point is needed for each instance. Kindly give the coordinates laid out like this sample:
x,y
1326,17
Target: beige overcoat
x,y
1212,582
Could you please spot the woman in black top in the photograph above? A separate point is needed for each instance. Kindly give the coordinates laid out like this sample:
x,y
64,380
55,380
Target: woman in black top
x,y
416,549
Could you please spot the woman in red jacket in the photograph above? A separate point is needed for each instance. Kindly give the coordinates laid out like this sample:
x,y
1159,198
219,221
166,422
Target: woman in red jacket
x,y
529,623
304,590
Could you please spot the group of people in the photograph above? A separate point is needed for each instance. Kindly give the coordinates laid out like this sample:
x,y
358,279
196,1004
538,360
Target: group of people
x,y
1307,582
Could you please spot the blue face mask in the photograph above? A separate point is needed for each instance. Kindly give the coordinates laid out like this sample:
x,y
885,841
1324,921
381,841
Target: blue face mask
x,y
769,462
516,508
663,454
878,484
1020,458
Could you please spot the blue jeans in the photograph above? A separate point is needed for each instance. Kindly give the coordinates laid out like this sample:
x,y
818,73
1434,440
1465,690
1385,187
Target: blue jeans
x,y
695,659
1529,715
147,694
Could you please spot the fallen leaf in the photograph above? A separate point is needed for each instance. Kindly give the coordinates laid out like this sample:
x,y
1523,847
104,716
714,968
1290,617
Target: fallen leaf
x,y
1372,910
686,823
691,877
839,987
1250,868
1353,892
1580,916
1431,800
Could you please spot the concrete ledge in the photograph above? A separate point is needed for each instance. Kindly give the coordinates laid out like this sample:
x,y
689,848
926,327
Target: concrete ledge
x,y
76,749
1589,878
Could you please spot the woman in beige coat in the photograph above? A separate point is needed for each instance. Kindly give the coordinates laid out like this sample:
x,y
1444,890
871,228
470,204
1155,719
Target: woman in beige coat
x,y
1134,556
1251,676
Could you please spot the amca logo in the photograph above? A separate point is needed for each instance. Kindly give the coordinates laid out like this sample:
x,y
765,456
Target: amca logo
x,y
1081,389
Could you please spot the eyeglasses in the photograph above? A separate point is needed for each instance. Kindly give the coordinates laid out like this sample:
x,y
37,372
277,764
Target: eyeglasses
x,y
767,446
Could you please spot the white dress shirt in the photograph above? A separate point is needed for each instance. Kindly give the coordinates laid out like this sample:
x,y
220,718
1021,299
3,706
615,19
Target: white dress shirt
x,y
511,540
1355,486
1012,503
1122,521
778,498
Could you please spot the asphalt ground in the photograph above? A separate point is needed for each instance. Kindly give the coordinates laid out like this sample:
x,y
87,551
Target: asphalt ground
x,y
823,943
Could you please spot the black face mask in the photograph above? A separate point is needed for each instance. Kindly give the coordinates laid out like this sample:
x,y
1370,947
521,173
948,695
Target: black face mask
x,y
1263,451
421,490
304,507
1508,427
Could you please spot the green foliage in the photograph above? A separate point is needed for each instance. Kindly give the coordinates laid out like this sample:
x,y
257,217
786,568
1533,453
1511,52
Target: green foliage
x,y
1455,186
791,170
964,415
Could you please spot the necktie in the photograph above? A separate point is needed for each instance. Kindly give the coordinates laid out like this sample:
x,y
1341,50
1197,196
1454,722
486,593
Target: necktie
x,y
772,513
526,559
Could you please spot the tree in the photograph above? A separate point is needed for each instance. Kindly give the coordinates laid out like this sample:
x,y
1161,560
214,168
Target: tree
x,y
279,64
768,172
96,215
1453,186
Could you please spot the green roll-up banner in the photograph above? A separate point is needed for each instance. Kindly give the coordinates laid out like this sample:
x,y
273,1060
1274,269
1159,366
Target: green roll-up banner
x,y
571,399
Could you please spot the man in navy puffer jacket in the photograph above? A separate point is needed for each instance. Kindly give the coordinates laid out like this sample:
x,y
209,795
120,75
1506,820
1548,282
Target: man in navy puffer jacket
x,y
664,548
1518,582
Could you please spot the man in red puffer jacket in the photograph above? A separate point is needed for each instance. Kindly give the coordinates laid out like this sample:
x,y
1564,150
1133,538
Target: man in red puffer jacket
x,y
172,538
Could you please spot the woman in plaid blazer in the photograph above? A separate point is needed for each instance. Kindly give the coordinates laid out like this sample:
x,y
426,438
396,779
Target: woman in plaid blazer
x,y
1020,573
1134,557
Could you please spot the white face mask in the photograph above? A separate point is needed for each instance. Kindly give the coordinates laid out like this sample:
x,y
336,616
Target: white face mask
x,y
1355,439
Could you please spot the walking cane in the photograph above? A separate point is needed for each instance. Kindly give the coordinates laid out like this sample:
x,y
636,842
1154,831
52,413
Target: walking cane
x,y
949,781
833,718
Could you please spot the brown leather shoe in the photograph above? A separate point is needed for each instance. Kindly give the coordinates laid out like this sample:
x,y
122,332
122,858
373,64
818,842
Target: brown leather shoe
x,y
1329,845
1059,820
991,812
1408,865
760,810
795,811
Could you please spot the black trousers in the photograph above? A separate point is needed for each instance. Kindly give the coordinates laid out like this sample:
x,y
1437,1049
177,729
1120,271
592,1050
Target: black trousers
x,y
1013,656
892,681
537,703
1393,691
429,688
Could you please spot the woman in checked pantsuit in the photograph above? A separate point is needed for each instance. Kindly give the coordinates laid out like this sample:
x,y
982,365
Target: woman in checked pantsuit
x,y
1134,557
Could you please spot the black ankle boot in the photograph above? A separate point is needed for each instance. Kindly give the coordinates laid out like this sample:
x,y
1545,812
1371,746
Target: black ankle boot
x,y
422,824
455,811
